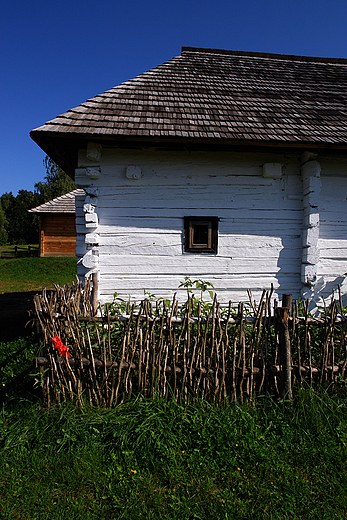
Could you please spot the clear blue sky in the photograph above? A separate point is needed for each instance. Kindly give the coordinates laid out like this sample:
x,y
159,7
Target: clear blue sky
x,y
55,55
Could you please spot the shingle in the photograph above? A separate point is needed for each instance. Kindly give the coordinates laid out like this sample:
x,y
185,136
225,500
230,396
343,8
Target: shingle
x,y
201,92
63,204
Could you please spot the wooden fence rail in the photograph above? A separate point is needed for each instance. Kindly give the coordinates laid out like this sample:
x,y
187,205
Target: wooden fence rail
x,y
19,251
184,352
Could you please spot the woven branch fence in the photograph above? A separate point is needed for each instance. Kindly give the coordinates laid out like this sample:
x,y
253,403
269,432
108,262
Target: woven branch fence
x,y
197,350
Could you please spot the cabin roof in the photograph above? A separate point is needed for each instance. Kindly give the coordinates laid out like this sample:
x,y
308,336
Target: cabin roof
x,y
211,97
63,204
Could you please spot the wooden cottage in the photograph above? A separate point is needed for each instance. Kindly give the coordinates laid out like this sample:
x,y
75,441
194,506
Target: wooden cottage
x,y
58,225
220,165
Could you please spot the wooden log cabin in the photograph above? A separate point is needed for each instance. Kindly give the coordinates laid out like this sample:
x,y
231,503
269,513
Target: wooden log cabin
x,y
225,166
58,225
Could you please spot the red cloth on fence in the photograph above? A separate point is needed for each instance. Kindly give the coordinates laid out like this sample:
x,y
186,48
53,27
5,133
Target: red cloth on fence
x,y
62,349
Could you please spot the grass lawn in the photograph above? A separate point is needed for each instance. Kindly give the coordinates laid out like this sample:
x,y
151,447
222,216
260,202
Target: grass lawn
x,y
158,460
30,274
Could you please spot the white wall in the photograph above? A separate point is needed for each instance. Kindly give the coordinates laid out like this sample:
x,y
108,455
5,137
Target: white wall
x,y
332,265
140,222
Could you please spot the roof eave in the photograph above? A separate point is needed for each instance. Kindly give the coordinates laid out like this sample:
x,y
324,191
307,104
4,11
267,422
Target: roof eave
x,y
64,156
63,147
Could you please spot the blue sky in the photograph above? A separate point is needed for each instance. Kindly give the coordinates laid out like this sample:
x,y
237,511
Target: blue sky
x,y
55,55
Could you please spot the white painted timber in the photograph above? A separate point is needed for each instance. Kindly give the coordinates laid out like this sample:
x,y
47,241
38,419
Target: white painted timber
x,y
171,244
139,228
91,220
311,186
90,259
227,288
93,173
233,225
133,172
91,200
92,238
332,267
91,190
93,152
272,170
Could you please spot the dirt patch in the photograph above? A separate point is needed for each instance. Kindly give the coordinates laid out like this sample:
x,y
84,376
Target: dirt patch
x,y
14,315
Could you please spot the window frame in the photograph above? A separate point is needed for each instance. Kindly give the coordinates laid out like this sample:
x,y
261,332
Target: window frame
x,y
211,246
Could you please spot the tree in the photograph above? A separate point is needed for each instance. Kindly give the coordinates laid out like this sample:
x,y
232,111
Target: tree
x,y
6,200
17,226
21,227
3,223
56,182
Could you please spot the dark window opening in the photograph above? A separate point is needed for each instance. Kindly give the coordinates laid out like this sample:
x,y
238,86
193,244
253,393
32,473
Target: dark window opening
x,y
200,234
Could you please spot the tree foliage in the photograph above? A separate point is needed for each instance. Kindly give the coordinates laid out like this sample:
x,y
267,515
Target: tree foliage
x,y
17,225
56,182
21,227
3,224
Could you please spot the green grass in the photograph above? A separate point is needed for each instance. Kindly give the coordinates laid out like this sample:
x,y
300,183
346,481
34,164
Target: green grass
x,y
157,460
30,274
161,460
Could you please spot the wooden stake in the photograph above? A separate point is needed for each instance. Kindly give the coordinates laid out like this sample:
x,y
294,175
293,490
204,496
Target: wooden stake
x,y
285,347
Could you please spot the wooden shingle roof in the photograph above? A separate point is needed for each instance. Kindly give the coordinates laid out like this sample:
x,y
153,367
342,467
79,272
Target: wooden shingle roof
x,y
213,97
63,204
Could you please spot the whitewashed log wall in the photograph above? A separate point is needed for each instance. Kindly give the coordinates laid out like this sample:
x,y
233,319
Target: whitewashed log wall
x,y
332,266
130,226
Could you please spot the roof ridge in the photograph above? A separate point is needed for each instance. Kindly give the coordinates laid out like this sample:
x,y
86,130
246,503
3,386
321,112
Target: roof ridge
x,y
254,54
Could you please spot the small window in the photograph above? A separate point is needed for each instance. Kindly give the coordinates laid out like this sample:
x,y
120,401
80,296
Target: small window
x,y
200,234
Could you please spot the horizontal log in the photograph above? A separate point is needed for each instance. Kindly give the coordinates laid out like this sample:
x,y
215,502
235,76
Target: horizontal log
x,y
157,225
42,361
178,319
176,265
126,285
275,369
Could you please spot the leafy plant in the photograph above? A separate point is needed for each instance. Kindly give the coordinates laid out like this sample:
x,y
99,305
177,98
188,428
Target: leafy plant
x,y
199,284
198,300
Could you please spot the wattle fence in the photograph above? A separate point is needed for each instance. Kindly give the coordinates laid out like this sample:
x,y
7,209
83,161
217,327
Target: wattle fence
x,y
183,352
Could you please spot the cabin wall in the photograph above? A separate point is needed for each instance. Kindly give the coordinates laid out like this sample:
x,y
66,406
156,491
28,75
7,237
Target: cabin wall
x,y
139,235
57,235
332,266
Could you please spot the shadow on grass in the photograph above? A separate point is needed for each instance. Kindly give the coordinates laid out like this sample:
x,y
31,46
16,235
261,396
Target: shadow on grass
x,y
14,315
